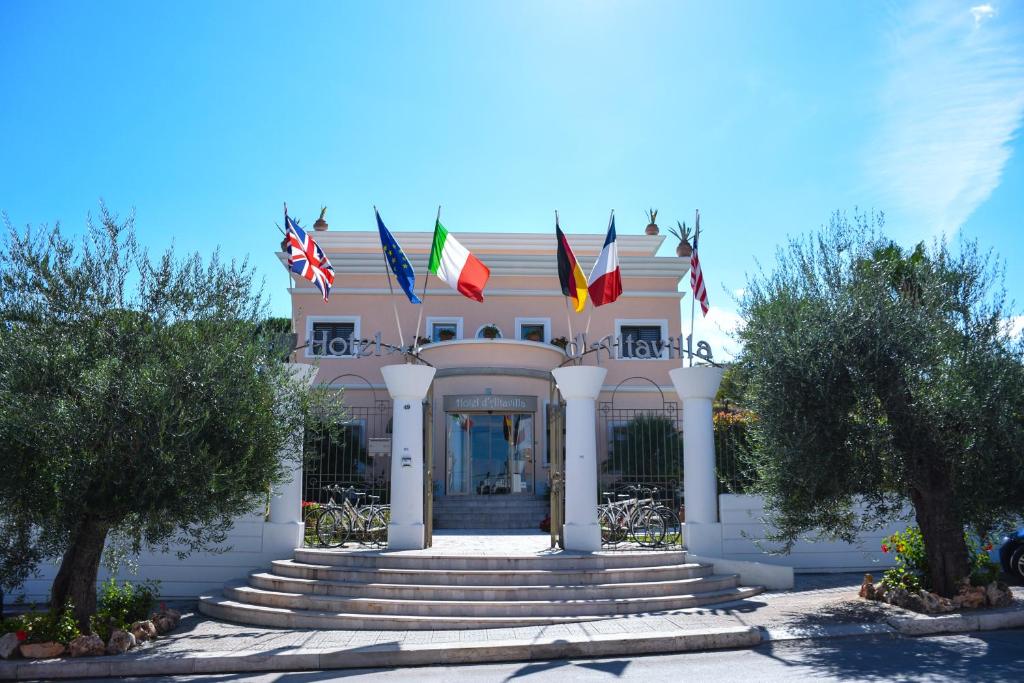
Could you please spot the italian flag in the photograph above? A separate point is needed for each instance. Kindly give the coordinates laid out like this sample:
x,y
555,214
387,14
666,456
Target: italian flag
x,y
453,263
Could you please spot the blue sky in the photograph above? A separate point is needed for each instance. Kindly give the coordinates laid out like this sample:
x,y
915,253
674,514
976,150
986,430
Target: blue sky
x,y
204,117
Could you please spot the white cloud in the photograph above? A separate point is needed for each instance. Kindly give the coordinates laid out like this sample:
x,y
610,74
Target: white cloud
x,y
717,329
982,12
1014,326
950,107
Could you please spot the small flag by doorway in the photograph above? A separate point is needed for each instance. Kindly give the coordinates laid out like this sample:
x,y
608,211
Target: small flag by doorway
x,y
605,278
700,293
453,263
570,275
306,258
397,261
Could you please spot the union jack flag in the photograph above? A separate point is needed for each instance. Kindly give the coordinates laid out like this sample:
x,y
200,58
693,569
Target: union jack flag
x,y
697,275
306,258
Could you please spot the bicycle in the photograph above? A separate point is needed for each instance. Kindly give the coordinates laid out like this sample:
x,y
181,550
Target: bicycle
x,y
639,518
336,523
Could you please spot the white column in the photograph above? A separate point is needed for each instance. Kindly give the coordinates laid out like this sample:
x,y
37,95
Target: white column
x,y
580,386
283,533
408,385
697,387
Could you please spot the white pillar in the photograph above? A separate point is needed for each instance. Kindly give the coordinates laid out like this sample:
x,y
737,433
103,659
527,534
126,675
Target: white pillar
x,y
697,387
408,385
283,533
580,386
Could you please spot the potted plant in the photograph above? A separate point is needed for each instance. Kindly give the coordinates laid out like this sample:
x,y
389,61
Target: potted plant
x,y
421,341
534,336
684,249
320,225
652,227
446,335
490,331
560,342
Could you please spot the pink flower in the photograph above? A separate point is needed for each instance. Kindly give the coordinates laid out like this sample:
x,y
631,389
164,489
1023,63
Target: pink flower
x,y
21,636
885,548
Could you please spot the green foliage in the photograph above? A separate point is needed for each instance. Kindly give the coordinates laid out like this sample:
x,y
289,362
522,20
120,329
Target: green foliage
x,y
57,626
648,446
139,397
912,571
734,449
119,606
882,376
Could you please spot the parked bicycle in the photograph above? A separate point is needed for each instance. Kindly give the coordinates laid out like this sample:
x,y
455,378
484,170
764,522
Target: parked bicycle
x,y
336,523
638,517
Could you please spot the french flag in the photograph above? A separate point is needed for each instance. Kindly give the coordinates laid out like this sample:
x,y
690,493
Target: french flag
x,y
605,281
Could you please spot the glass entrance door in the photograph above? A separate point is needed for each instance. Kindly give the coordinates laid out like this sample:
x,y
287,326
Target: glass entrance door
x,y
490,453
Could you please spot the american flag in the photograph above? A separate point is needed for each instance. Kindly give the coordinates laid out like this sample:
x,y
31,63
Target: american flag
x,y
696,275
306,258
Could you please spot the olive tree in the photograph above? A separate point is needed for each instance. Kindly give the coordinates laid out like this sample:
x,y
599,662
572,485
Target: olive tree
x,y
141,402
882,376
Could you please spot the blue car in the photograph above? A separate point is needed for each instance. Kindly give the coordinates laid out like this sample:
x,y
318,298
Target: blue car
x,y
1011,554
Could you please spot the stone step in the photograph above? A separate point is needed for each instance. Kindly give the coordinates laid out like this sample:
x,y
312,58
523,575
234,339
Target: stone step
x,y
490,593
467,609
419,560
491,577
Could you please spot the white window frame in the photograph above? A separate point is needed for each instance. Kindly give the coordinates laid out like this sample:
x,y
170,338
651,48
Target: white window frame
x,y
444,320
546,322
647,322
501,332
310,320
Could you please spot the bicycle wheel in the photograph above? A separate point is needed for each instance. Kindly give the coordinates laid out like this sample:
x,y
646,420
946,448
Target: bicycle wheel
x,y
309,538
673,529
606,520
648,527
377,528
333,527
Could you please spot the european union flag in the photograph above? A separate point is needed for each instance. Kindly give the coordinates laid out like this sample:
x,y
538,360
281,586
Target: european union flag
x,y
399,264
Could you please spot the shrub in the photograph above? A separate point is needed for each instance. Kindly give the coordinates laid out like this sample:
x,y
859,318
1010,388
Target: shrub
x,y
121,605
57,626
911,571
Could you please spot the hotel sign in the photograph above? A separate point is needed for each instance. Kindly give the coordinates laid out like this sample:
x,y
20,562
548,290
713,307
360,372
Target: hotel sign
x,y
519,404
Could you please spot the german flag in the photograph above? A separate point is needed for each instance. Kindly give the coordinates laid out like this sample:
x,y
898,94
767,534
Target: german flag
x,y
570,275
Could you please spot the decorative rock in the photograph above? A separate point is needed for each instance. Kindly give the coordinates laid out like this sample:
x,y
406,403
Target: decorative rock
x,y
120,642
143,630
41,650
86,646
867,587
8,645
998,594
970,597
166,620
915,602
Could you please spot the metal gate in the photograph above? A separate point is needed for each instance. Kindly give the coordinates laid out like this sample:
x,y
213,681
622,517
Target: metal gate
x,y
356,453
643,461
556,461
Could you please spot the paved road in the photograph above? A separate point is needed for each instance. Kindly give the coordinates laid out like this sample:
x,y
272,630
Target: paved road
x,y
989,656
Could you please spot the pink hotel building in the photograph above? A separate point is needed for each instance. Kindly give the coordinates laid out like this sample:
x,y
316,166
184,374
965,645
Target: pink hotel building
x,y
484,387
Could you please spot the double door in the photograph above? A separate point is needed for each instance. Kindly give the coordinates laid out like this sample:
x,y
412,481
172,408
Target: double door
x,y
490,453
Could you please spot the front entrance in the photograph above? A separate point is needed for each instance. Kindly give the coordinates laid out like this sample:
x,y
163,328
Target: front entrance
x,y
489,453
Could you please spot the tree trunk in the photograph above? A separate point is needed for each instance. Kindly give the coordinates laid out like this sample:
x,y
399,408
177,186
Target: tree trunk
x,y
943,535
76,579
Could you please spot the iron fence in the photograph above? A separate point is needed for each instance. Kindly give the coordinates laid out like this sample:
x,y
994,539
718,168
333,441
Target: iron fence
x,y
356,453
643,462
736,473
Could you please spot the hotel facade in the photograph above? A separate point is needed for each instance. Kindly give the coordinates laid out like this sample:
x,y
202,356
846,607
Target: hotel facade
x,y
488,432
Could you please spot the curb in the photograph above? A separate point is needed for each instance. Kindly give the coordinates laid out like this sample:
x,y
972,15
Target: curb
x,y
389,655
832,631
923,625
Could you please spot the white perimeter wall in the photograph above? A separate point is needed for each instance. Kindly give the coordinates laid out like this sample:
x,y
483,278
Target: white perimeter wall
x,y
199,573
742,530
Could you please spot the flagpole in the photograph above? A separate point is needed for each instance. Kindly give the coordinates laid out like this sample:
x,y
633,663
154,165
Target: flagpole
x,y
693,300
426,277
391,288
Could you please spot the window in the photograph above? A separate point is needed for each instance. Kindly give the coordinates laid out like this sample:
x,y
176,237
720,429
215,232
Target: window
x,y
642,339
444,329
489,331
533,329
332,336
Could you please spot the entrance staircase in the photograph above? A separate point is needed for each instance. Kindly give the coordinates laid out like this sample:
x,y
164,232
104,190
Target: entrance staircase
x,y
490,512
422,590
